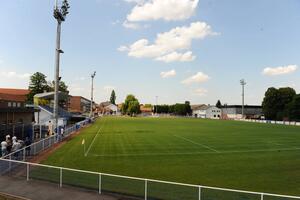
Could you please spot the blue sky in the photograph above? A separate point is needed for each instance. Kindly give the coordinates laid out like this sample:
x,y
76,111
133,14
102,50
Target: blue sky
x,y
175,49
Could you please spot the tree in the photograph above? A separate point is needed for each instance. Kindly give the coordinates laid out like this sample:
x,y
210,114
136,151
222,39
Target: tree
x,y
218,104
286,95
37,84
276,101
179,109
62,87
113,97
293,108
188,109
131,106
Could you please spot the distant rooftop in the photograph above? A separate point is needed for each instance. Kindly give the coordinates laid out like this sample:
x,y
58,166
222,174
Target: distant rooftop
x,y
13,91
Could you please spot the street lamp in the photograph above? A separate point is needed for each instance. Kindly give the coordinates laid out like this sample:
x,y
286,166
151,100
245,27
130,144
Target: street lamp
x,y
59,13
243,83
92,94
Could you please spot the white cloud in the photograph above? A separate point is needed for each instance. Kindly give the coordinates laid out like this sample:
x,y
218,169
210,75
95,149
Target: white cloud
x,y
175,56
168,74
200,92
179,38
135,1
13,75
169,10
200,77
280,70
123,48
130,25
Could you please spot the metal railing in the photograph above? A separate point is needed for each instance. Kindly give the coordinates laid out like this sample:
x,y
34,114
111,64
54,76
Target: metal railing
x,y
34,149
139,188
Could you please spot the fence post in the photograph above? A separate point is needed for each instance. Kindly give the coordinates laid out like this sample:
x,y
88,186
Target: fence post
x,y
40,131
262,196
100,183
34,149
60,178
43,145
27,172
199,193
24,154
146,189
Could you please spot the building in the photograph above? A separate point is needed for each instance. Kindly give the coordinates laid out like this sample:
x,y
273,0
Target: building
x,y
107,108
235,112
146,110
13,106
206,111
14,114
79,105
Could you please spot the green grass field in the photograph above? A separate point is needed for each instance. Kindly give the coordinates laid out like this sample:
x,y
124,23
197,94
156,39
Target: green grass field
x,y
230,154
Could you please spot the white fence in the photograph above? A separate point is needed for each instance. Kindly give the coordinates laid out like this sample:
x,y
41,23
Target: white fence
x,y
290,123
127,186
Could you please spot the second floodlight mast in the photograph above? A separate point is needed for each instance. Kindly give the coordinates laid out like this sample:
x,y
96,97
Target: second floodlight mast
x,y
243,83
60,13
92,94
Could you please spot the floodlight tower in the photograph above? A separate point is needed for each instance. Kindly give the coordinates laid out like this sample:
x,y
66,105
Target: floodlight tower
x,y
92,94
60,13
243,83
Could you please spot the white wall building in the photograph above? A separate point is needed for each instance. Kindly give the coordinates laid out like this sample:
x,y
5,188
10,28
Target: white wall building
x,y
206,111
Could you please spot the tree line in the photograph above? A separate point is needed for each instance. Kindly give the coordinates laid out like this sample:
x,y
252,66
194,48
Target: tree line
x,y
281,104
182,109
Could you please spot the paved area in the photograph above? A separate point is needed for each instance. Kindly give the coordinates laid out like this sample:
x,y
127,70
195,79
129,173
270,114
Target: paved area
x,y
37,190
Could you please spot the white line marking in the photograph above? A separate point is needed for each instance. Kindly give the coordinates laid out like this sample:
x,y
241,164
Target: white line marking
x,y
196,143
195,153
94,139
275,143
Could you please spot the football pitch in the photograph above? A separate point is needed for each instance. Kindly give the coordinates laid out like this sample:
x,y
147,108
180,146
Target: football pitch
x,y
230,154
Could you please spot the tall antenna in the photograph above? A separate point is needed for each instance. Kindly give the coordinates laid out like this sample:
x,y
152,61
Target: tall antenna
x,y
243,83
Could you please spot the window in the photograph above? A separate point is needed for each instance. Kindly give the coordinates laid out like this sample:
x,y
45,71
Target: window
x,y
18,104
9,104
14,104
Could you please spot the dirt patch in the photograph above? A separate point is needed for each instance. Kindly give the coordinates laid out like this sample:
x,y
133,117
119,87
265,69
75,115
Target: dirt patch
x,y
46,153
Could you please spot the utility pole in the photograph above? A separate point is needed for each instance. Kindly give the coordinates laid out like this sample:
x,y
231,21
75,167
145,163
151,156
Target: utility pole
x,y
60,13
92,94
243,83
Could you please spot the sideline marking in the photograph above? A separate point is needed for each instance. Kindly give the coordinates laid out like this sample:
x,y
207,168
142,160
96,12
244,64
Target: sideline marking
x,y
196,143
195,153
94,139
